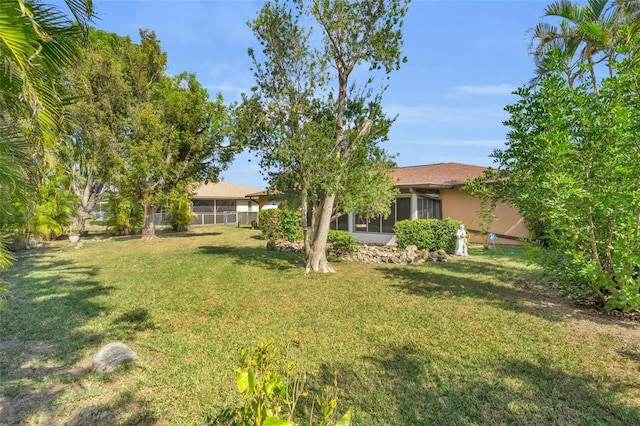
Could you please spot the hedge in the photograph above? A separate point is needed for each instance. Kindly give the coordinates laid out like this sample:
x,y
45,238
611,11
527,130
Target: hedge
x,y
343,240
280,224
428,234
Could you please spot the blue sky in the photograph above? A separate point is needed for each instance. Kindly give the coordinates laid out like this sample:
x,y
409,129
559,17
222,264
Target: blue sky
x,y
465,58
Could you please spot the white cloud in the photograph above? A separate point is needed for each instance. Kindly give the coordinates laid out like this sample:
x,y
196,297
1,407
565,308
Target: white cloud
x,y
489,90
487,116
229,78
232,91
477,143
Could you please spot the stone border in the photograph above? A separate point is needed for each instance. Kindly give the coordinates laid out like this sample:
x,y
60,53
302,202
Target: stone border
x,y
369,253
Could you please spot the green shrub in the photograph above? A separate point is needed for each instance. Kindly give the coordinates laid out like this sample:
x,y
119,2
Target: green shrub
x,y
428,234
290,224
272,382
123,216
269,224
280,224
343,240
179,213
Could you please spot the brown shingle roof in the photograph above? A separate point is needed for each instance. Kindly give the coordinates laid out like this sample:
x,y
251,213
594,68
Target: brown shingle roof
x,y
440,175
223,191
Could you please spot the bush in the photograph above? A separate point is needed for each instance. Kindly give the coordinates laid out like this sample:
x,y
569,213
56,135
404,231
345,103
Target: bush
x,y
290,224
269,223
179,213
272,382
123,216
428,234
343,240
280,224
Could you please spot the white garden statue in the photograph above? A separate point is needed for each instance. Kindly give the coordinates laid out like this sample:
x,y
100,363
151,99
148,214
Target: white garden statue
x,y
461,241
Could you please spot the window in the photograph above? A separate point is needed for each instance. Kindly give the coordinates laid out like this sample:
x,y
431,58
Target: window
x,y
429,208
203,206
225,206
403,209
388,223
373,224
400,210
341,223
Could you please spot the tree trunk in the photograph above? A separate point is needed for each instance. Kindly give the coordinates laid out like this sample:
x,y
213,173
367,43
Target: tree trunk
x,y
148,227
317,259
304,212
87,196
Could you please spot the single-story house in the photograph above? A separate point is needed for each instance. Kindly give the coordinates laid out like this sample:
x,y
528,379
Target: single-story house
x,y
427,191
433,191
223,203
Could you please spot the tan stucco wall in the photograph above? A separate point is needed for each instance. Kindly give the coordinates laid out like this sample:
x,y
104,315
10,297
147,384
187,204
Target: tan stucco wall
x,y
463,207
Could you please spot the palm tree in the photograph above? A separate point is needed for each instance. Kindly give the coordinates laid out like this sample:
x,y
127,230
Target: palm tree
x,y
584,38
37,42
555,48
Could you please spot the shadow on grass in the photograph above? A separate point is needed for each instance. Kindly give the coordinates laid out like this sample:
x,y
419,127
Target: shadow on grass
x,y
176,234
631,353
407,386
125,409
490,280
21,407
256,256
48,302
129,323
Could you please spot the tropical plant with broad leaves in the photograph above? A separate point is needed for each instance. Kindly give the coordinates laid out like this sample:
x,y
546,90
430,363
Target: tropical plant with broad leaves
x,y
587,34
37,42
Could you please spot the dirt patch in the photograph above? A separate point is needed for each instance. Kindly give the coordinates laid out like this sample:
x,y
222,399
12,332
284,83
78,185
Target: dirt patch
x,y
585,318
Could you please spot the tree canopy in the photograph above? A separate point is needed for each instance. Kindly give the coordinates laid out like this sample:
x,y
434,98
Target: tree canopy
x,y
317,128
146,134
571,165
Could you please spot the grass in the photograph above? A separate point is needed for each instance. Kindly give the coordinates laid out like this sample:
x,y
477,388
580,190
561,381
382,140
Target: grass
x,y
467,342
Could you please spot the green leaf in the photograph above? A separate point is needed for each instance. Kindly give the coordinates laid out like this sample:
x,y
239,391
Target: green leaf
x,y
345,420
242,381
251,380
246,381
274,421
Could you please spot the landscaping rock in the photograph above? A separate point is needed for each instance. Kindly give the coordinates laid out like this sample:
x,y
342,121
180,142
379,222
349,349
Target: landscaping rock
x,y
34,242
112,356
370,254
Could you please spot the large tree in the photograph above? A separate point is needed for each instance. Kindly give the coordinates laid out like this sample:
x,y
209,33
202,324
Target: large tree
x,y
175,135
319,130
98,119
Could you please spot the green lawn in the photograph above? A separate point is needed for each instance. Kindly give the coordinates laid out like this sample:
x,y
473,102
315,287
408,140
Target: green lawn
x,y
467,342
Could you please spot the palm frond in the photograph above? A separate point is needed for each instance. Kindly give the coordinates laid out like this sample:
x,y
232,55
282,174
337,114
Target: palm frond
x,y
14,182
37,41
82,10
596,10
565,9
